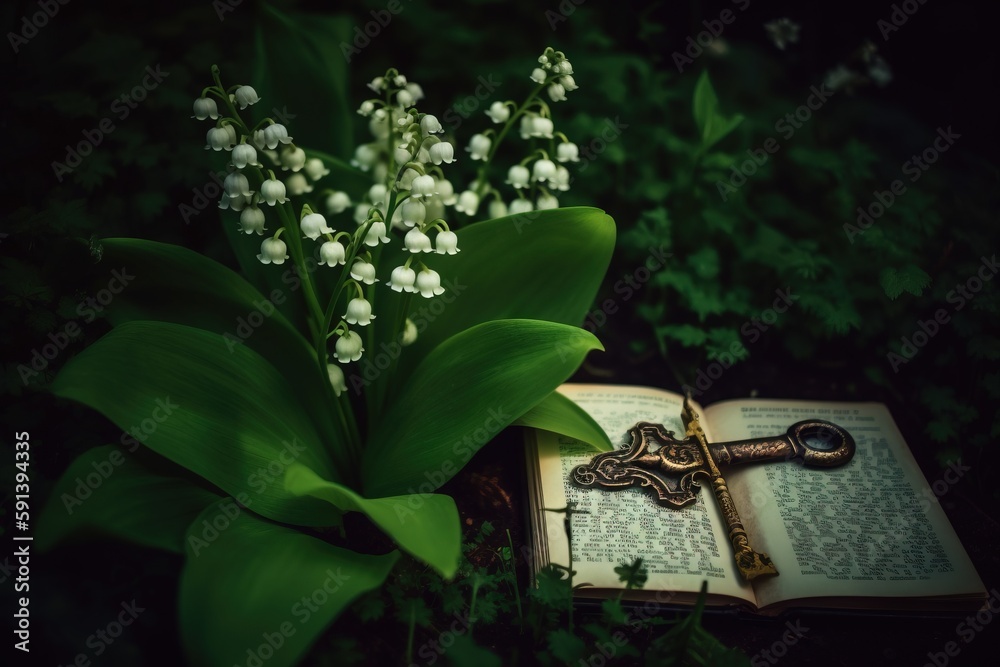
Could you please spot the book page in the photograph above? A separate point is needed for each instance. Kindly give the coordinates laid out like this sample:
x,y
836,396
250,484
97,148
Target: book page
x,y
871,528
680,547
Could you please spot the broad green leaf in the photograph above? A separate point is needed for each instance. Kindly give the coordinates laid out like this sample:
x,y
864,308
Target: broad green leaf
x,y
911,278
705,103
172,284
425,525
107,490
559,414
229,417
463,393
264,590
542,265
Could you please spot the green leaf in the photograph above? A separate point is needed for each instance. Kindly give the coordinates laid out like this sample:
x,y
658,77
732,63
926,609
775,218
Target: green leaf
x,y
567,647
910,278
559,414
258,585
107,490
228,416
705,103
425,525
463,393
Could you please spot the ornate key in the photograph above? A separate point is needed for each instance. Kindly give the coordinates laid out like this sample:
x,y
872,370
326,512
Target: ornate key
x,y
655,459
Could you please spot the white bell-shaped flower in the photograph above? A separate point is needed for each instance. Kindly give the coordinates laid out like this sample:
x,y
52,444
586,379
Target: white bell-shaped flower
x,y
315,169
569,83
413,212
292,158
236,203
442,152
479,146
546,201
313,225
366,108
361,213
245,96
376,234
563,67
359,311
404,98
237,184
337,380
429,283
377,84
415,90
402,279
498,208
406,180
349,347
543,170
401,154
205,107
276,134
377,194
298,185
399,81
416,241
219,138
538,75
364,271
337,202
430,125
527,126
561,180
332,253
468,203
498,112
520,206
556,92
423,186
273,192
567,151
518,176
244,155
409,335
379,125
541,127
446,193
252,220
447,243
273,251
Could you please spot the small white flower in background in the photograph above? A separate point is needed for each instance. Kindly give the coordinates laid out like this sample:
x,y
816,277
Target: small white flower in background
x,y
245,96
479,146
404,98
520,206
273,251
377,84
401,155
498,112
276,134
446,193
402,279
257,138
337,379
252,220
430,125
205,107
416,241
237,184
377,194
527,125
415,91
447,243
409,336
498,208
423,186
337,202
543,170
568,83
218,138
538,75
313,225
233,137
413,212
332,253
361,213
556,92
293,158
379,125
363,271
366,108
561,180
518,176
429,283
435,208
541,127
782,32
243,155
315,169
359,311
297,185
546,201
273,191
349,347
399,81
365,156
468,203
568,152
237,203
442,152
376,234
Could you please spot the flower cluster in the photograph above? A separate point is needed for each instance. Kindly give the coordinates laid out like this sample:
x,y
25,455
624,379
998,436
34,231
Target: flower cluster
x,y
409,193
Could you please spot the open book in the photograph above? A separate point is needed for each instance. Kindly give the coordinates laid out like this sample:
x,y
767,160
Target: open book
x,y
867,535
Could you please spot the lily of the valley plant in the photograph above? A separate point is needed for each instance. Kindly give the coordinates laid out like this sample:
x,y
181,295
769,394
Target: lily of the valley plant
x,y
355,366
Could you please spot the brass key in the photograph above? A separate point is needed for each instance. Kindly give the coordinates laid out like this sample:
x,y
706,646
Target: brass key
x,y
670,469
